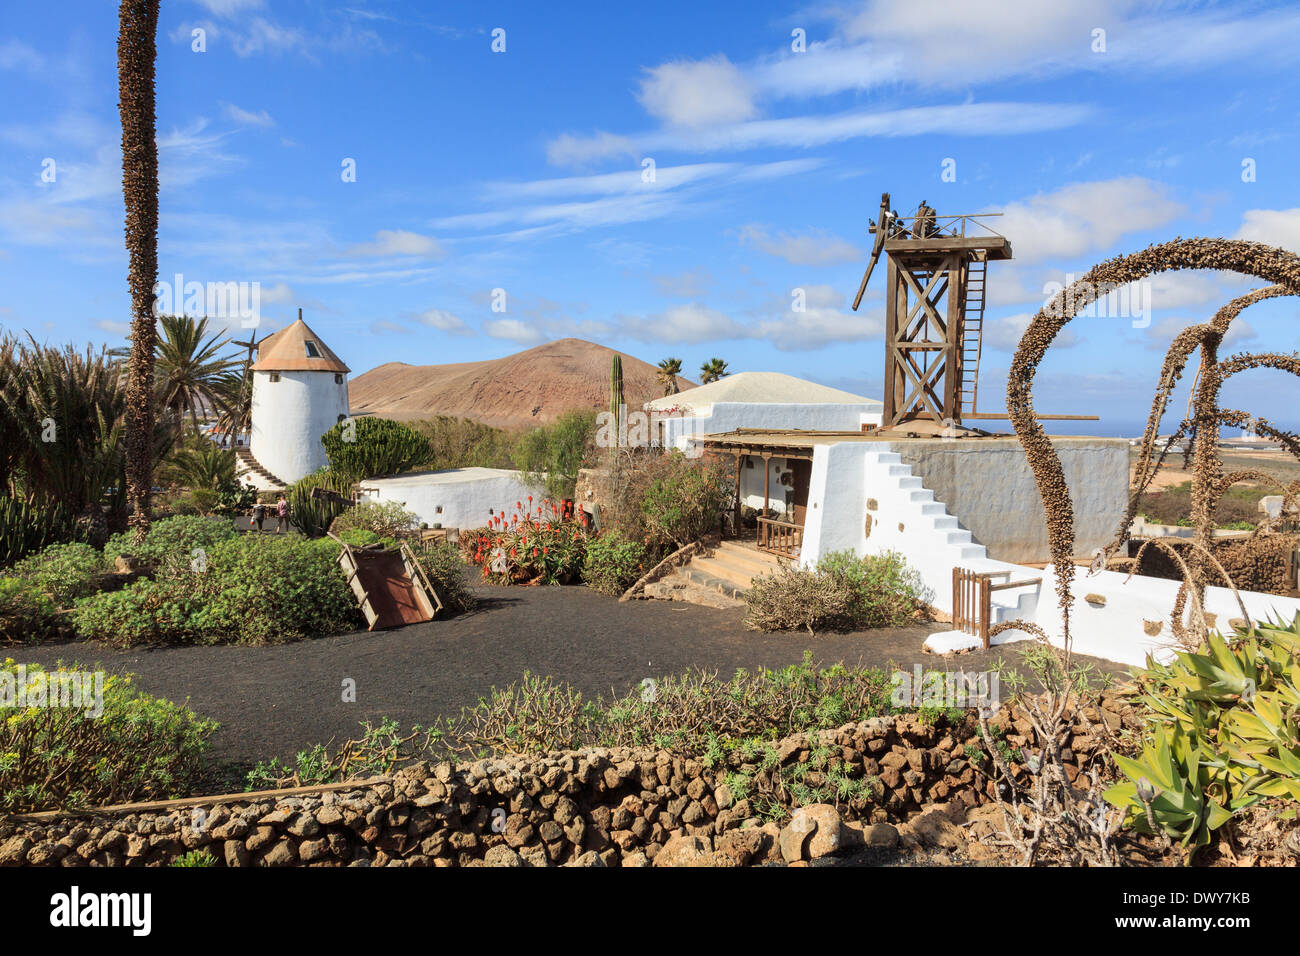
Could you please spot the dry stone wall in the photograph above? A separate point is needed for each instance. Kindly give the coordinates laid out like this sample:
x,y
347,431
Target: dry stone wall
x,y
620,807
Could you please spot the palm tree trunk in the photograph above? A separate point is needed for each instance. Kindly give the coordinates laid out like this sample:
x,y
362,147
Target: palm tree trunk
x,y
136,53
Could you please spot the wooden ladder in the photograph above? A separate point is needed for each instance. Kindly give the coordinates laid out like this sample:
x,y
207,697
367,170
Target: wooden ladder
x,y
972,340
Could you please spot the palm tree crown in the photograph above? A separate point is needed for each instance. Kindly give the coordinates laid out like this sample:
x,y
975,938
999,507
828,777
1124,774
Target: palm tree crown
x,y
712,370
669,369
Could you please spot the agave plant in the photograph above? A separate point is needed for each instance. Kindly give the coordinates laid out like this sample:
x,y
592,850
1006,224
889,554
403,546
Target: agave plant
x,y
1225,733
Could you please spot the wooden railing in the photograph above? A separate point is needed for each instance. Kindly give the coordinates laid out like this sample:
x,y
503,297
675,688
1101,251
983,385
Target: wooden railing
x,y
782,538
972,599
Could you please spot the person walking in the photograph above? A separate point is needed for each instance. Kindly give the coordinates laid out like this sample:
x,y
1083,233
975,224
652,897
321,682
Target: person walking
x,y
259,515
282,514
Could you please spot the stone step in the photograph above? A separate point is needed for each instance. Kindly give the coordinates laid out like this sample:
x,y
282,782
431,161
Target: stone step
x,y
704,579
738,577
759,562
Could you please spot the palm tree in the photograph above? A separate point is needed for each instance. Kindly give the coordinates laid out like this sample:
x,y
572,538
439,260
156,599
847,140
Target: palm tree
x,y
136,55
669,369
232,393
202,466
188,367
712,370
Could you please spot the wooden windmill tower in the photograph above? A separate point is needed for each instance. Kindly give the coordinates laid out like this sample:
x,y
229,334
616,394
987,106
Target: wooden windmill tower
x,y
934,310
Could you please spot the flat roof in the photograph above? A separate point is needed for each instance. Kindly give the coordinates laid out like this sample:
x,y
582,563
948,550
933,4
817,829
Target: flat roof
x,y
448,477
810,438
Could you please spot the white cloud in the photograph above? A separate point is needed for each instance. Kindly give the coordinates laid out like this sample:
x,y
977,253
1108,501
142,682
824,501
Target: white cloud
x,y
1004,334
962,119
246,118
697,93
1276,227
400,242
444,321
228,8
684,285
570,150
815,248
512,330
1084,217
16,55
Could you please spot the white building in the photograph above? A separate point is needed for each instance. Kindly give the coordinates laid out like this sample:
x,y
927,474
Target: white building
x,y
300,391
758,400
457,498
972,503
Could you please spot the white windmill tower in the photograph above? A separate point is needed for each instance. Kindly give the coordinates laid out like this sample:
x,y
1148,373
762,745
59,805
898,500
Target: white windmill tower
x,y
300,391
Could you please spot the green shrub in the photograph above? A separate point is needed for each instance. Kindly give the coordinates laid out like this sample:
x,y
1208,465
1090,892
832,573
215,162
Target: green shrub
x,y
446,570
251,590
139,748
380,750
174,539
613,563
144,613
845,592
313,516
195,858
1222,737
684,504
553,454
27,615
359,537
386,519
26,527
368,447
63,571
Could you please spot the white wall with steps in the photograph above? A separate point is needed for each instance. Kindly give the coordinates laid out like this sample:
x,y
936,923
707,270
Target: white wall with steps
x,y
908,519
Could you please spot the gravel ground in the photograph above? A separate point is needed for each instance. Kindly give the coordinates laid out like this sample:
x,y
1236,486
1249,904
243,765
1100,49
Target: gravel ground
x,y
272,701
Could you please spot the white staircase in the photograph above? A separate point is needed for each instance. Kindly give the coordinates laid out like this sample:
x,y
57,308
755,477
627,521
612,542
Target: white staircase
x,y
934,543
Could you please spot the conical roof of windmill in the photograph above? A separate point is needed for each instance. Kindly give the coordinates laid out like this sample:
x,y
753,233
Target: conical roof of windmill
x,y
296,349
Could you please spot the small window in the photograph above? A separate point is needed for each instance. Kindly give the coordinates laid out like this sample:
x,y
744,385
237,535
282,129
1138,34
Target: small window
x,y
338,378
312,351
439,509
275,376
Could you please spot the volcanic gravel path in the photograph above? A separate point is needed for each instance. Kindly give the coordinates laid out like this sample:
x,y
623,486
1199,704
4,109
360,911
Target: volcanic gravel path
x,y
273,701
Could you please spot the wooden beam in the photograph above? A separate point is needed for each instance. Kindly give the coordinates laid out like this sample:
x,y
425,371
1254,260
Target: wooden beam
x,y
1054,418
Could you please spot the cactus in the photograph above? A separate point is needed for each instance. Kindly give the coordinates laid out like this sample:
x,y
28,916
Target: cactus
x,y
26,528
616,401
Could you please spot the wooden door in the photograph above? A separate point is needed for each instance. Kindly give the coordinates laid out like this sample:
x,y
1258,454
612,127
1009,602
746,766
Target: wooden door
x,y
801,477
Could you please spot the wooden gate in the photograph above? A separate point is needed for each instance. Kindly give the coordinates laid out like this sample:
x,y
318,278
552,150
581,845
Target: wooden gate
x,y
972,599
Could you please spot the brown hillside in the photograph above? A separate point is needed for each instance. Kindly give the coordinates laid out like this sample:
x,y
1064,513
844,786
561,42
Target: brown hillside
x,y
528,388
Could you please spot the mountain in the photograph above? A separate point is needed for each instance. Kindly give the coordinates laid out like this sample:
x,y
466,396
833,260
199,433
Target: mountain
x,y
528,388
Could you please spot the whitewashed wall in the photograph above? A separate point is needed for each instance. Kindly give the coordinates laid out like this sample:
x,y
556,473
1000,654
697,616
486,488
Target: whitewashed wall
x,y
908,520
289,418
728,416
465,495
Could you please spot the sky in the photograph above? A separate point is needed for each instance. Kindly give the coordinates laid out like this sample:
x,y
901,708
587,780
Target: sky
x,y
437,182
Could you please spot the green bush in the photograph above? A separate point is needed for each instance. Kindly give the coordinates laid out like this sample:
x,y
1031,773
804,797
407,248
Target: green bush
x,y
139,748
313,516
613,563
368,447
27,615
845,592
250,590
63,571
26,528
386,519
685,503
446,570
1222,736
175,539
553,454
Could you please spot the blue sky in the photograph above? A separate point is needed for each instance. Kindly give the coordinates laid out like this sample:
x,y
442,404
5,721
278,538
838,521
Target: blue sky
x,y
525,170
